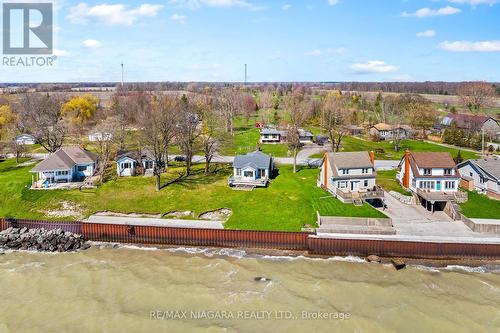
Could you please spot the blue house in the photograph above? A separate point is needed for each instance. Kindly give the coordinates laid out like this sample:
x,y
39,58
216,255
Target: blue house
x,y
133,163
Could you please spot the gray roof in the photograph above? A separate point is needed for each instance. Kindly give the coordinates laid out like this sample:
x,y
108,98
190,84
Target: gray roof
x,y
65,158
490,165
132,154
256,160
270,131
305,133
350,160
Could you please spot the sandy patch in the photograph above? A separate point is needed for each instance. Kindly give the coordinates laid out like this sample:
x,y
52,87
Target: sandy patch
x,y
176,214
217,215
67,209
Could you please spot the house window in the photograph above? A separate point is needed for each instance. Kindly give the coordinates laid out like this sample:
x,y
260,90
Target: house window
x,y
62,173
449,185
342,184
248,174
148,165
345,171
470,174
426,185
447,172
262,173
413,182
238,172
365,183
126,165
427,171
81,168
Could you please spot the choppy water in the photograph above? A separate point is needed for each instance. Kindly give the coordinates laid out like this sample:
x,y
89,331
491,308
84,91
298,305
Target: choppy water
x,y
133,290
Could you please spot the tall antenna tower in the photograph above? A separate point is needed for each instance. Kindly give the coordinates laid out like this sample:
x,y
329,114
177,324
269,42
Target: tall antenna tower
x,y
122,73
245,73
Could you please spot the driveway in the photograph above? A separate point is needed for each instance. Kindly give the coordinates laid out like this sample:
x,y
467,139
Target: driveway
x,y
415,220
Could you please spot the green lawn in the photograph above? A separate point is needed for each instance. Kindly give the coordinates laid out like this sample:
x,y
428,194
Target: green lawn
x,y
480,206
288,203
387,180
386,148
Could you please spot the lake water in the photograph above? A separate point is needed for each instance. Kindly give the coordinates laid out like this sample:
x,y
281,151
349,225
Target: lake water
x,y
213,290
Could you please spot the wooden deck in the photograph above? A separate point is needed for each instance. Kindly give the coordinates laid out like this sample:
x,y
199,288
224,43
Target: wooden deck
x,y
240,181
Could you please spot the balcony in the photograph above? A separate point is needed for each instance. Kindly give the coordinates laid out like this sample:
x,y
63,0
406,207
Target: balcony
x,y
458,196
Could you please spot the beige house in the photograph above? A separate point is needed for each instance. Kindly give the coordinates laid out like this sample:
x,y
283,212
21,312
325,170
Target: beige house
x,y
350,176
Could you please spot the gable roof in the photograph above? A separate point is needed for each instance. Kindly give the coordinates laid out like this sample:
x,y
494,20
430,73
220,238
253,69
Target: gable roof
x,y
270,131
388,127
467,121
65,158
433,159
305,133
256,160
350,160
489,166
132,154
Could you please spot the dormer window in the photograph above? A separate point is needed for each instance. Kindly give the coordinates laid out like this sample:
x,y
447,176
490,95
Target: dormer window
x,y
447,172
345,171
427,172
365,170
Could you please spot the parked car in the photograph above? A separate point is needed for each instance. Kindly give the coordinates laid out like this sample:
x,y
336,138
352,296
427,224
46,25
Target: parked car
x,y
180,158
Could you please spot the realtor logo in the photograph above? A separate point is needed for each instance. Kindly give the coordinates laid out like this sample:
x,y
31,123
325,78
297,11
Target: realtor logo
x,y
27,28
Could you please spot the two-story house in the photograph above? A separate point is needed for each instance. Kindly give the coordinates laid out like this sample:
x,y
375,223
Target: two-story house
x,y
432,176
350,176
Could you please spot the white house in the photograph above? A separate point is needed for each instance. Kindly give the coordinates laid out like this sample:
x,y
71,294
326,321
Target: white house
x,y
483,175
100,136
133,163
432,176
68,164
270,135
25,139
252,169
350,176
385,131
305,136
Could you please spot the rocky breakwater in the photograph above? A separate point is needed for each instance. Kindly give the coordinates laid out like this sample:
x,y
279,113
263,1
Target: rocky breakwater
x,y
55,240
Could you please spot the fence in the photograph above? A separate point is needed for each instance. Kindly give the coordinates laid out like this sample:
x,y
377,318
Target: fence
x,y
281,240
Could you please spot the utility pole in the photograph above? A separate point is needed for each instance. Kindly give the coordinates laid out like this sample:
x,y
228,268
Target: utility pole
x,y
245,74
122,74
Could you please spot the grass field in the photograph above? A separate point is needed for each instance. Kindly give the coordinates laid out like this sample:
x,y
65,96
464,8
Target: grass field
x,y
480,206
351,143
387,180
288,203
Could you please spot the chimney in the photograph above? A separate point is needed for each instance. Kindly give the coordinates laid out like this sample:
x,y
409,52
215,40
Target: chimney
x,y
406,175
372,157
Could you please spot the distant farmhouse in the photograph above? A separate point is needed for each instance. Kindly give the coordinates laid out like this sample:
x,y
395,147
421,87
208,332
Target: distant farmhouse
x,y
432,176
252,170
66,165
472,122
271,135
482,175
133,163
100,136
305,136
25,139
383,131
350,176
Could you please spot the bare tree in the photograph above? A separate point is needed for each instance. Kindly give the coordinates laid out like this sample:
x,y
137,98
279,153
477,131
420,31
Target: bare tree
x,y
420,111
299,109
228,104
475,95
334,118
158,119
187,129
212,133
105,144
41,114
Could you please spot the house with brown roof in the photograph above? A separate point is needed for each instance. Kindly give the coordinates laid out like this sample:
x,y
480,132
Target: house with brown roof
x,y
385,131
471,122
432,176
66,165
350,176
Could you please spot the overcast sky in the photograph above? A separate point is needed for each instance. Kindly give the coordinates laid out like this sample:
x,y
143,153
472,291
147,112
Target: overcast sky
x,y
308,40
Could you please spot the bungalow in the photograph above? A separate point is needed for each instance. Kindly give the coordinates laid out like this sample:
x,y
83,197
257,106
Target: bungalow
x,y
270,135
252,169
470,122
305,136
432,176
384,131
132,163
350,176
100,136
68,164
481,175
25,139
